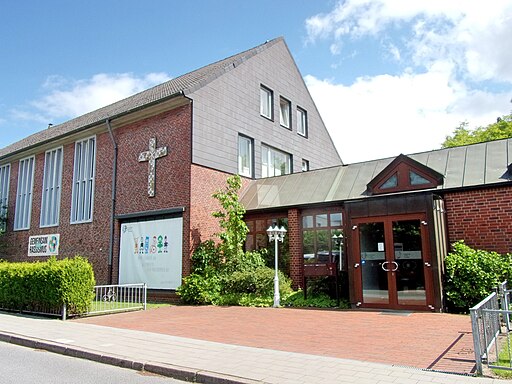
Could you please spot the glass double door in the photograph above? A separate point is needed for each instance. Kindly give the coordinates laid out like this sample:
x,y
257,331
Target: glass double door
x,y
392,263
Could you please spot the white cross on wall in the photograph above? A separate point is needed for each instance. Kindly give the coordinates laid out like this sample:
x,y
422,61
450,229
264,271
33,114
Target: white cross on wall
x,y
151,156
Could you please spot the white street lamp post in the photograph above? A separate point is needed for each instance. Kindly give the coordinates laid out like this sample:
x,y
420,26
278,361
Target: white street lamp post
x,y
339,240
276,234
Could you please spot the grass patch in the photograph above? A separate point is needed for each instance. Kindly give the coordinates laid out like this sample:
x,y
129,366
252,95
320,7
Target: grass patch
x,y
153,305
504,360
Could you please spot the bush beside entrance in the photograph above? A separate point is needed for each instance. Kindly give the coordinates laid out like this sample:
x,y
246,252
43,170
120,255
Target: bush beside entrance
x,y
472,274
47,286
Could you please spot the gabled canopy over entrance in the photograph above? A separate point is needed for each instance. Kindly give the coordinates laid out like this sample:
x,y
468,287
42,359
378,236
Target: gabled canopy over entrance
x,y
404,174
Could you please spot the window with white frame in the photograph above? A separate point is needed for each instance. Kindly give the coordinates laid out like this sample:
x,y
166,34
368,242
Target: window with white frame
x,y
302,122
274,162
266,102
305,165
83,181
23,208
5,174
52,178
285,108
245,156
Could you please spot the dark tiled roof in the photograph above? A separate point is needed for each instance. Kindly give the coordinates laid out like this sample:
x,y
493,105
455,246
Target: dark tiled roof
x,y
172,88
474,165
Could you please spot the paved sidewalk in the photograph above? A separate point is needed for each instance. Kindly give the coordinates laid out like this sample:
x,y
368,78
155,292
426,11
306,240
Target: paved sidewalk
x,y
436,341
205,361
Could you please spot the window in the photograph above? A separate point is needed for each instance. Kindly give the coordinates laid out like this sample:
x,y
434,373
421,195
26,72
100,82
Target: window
x,y
5,173
266,102
302,122
392,182
83,181
285,108
245,156
305,165
24,194
416,179
321,237
50,202
274,162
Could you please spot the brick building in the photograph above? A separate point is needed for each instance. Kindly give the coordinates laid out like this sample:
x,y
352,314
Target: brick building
x,y
397,217
129,185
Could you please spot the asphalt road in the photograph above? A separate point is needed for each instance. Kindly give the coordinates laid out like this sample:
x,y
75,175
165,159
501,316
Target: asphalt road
x,y
21,365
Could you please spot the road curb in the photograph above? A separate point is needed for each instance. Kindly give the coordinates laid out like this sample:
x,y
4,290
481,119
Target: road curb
x,y
168,370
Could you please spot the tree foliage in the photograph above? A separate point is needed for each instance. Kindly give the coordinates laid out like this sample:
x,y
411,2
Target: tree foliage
x,y
502,129
224,274
231,220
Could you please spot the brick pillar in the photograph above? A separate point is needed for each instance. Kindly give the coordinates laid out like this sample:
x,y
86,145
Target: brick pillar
x,y
295,248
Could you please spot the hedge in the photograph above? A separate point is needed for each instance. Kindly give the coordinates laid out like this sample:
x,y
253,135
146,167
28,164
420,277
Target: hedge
x,y
47,286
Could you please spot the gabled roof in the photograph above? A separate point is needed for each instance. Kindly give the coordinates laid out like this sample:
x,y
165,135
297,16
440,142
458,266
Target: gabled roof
x,y
400,169
482,164
181,85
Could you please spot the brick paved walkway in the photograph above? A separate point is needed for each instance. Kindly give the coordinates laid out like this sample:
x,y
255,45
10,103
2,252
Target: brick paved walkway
x,y
424,340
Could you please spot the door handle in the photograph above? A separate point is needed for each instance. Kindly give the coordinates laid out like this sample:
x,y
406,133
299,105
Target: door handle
x,y
396,266
382,265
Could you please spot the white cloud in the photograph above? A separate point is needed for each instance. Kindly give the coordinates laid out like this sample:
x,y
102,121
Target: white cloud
x,y
471,33
385,115
456,56
70,98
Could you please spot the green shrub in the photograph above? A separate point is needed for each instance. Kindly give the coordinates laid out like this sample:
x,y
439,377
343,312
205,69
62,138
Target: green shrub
x,y
259,281
47,285
206,259
246,300
472,274
318,300
199,289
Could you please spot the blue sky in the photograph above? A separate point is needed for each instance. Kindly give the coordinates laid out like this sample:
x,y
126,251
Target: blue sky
x,y
388,76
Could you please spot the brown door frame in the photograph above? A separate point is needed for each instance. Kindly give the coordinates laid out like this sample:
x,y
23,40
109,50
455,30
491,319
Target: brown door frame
x,y
389,254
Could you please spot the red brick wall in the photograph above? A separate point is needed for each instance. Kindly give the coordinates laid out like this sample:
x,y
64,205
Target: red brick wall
x,y
482,218
171,129
172,179
86,239
295,248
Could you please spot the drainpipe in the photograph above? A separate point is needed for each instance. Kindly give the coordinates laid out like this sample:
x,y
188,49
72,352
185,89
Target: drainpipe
x,y
113,209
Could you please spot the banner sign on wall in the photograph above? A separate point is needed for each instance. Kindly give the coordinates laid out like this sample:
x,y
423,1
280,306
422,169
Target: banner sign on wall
x,y
151,252
44,245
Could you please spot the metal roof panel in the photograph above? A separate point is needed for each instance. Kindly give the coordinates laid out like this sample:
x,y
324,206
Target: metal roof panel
x,y
454,174
496,163
474,171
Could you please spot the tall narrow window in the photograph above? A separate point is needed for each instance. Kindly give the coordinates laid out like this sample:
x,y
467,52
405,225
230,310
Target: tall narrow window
x,y
24,194
50,201
285,108
83,181
5,174
302,122
266,102
274,162
245,156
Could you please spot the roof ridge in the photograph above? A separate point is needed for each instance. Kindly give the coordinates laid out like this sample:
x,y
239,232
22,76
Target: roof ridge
x,y
182,84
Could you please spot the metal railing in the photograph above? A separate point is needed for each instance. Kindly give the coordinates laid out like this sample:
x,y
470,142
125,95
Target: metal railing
x,y
118,298
491,329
